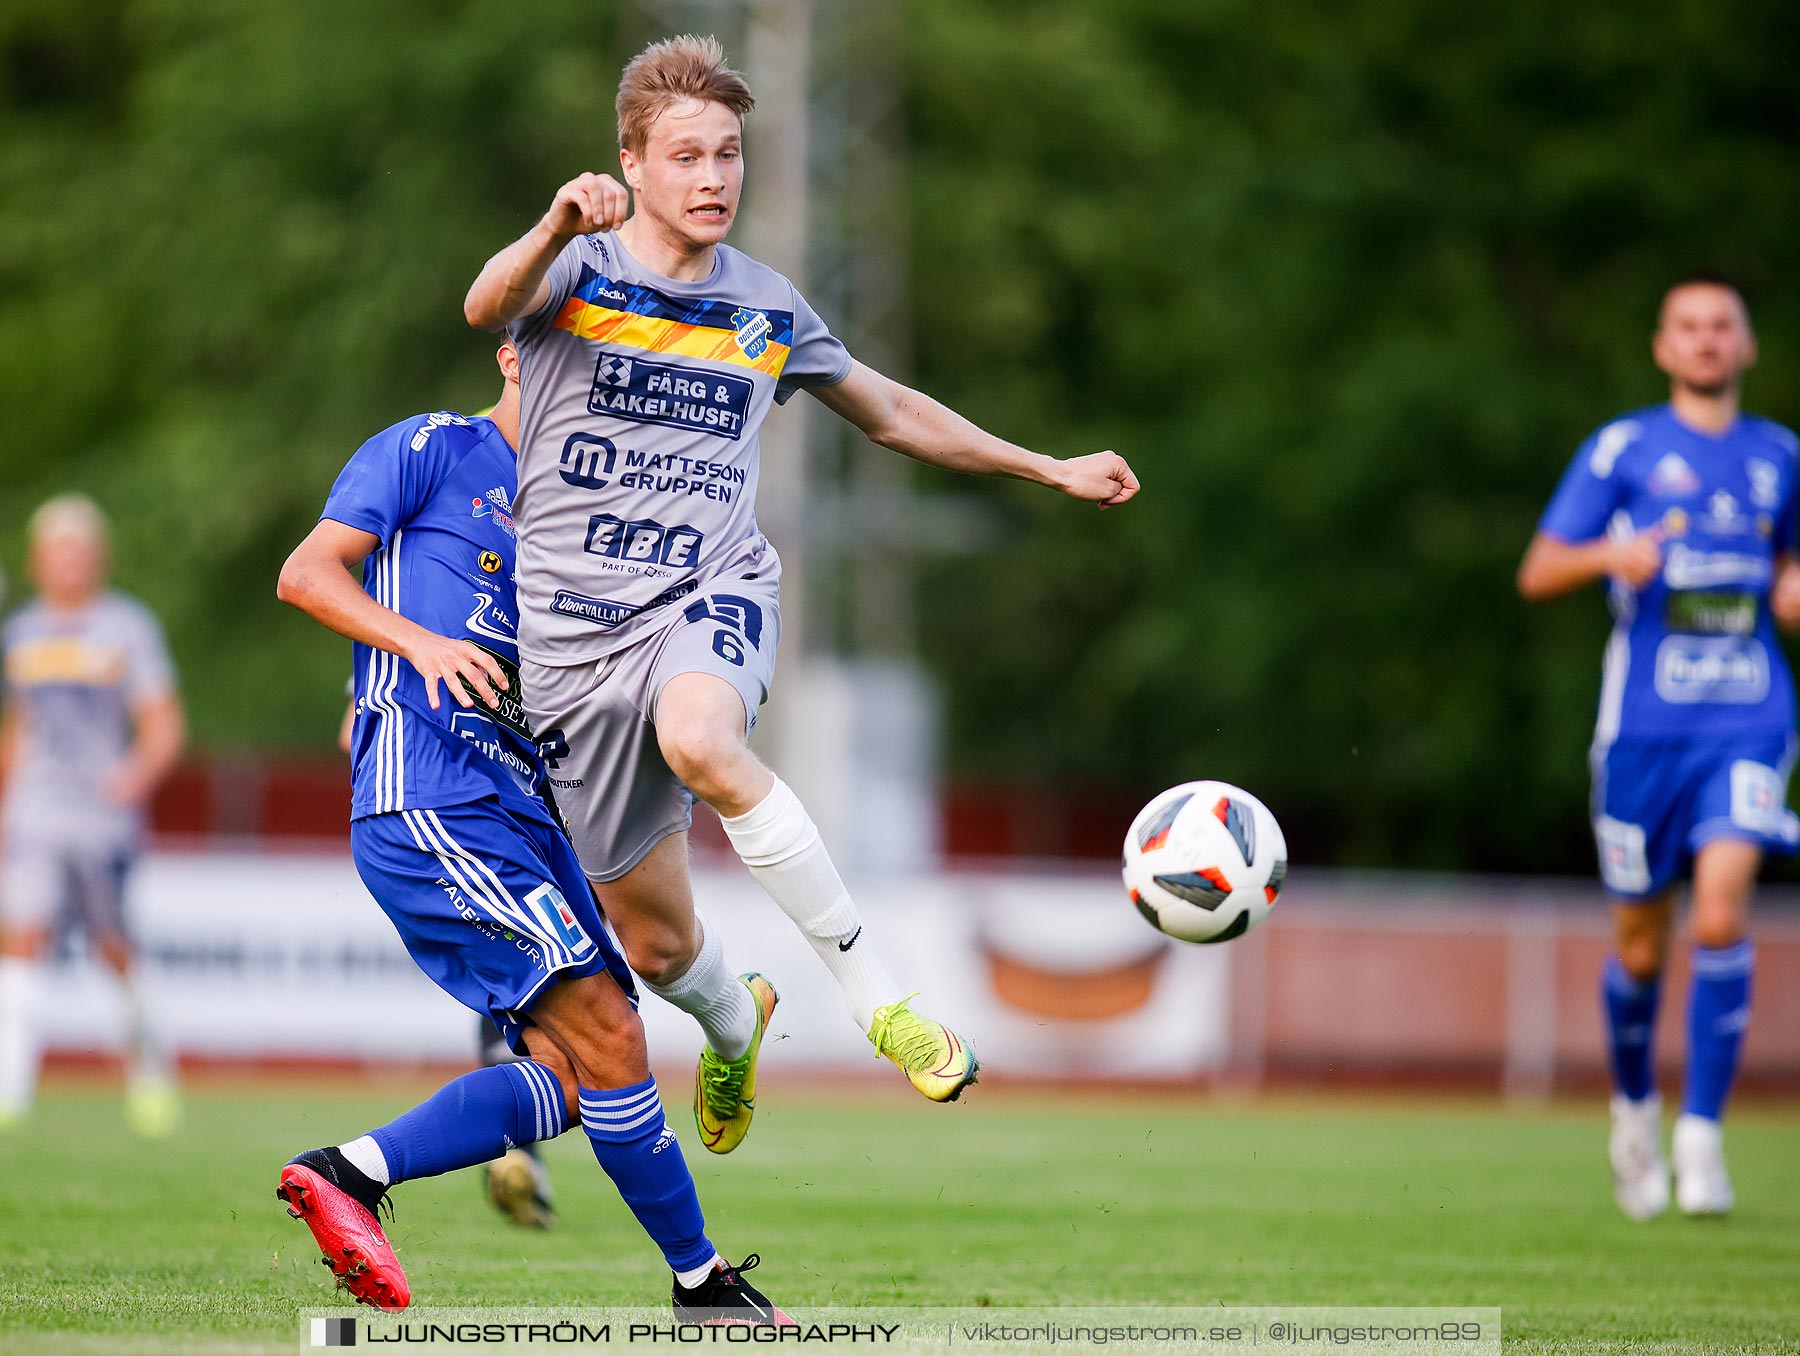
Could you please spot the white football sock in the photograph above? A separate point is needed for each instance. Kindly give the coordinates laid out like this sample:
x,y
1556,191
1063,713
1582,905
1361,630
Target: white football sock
x,y
690,1279
21,981
366,1157
713,996
781,845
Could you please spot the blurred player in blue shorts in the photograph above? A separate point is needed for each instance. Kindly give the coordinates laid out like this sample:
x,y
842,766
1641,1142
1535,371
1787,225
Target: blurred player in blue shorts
x,y
92,724
454,838
1687,510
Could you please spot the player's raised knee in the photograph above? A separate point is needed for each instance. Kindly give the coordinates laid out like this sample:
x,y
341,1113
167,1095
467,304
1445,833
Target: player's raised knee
x,y
708,757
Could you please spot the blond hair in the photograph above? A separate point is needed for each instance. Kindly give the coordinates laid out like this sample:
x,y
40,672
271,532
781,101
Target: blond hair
x,y
669,71
72,515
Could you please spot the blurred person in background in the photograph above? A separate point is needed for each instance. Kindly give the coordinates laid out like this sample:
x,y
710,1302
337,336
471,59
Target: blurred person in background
x,y
1687,511
92,724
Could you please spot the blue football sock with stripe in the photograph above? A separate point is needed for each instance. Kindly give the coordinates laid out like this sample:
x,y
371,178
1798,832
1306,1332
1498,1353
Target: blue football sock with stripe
x,y
474,1119
1718,1012
1630,1005
639,1152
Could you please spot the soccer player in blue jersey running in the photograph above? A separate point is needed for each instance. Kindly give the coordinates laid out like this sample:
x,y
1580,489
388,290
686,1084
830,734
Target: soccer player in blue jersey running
x,y
649,599
453,837
1687,511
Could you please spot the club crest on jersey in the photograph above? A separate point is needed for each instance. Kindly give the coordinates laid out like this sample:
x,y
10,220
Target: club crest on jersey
x,y
490,562
1673,477
1722,516
1765,483
751,330
496,505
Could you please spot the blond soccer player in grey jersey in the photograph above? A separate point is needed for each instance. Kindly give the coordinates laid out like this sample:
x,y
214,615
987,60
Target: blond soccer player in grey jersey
x,y
651,353
91,724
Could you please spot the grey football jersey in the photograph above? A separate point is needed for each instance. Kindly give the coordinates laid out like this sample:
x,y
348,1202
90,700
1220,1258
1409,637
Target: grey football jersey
x,y
73,682
641,400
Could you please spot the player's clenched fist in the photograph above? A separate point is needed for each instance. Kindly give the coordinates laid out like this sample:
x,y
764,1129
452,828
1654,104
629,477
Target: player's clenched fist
x,y
1101,478
586,204
1636,560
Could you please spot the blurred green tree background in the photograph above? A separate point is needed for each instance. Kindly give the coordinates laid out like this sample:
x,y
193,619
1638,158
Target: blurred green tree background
x,y
1346,283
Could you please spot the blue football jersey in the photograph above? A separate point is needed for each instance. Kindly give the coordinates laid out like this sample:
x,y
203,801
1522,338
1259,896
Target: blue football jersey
x,y
437,490
1694,652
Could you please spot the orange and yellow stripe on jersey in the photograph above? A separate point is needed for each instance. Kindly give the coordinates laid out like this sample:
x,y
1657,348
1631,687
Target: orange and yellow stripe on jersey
x,y
634,316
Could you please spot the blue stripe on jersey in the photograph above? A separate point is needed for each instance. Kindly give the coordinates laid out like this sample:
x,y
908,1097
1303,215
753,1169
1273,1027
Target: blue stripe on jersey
x,y
383,677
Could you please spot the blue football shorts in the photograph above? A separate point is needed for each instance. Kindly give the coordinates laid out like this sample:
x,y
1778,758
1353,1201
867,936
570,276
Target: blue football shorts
x,y
1657,802
490,902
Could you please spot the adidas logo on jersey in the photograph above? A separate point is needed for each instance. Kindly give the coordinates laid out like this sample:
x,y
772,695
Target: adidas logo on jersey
x,y
1673,476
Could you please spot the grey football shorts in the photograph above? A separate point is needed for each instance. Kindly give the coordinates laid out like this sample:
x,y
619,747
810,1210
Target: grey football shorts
x,y
44,884
595,722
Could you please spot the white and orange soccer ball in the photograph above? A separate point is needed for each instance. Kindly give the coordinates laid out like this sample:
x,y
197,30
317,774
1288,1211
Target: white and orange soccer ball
x,y
1204,861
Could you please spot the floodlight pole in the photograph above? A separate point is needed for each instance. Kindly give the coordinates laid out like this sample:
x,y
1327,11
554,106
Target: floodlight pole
x,y
777,217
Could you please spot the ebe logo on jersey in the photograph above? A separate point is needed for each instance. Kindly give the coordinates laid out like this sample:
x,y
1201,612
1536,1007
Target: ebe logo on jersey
x,y
643,541
658,393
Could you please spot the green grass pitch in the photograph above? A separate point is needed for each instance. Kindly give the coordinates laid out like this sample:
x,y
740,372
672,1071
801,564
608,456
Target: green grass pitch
x,y
111,1243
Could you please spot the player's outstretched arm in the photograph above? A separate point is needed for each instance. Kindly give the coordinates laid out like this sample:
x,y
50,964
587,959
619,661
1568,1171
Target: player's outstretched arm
x,y
913,424
1553,567
317,580
513,283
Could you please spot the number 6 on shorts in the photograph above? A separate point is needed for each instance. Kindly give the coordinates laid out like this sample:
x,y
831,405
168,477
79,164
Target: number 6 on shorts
x,y
728,647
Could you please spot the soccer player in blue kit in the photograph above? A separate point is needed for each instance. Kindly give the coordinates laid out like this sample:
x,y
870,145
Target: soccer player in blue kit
x,y
651,352
454,839
1687,510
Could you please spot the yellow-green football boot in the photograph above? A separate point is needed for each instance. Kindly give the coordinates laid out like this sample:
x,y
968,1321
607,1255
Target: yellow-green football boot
x,y
152,1105
518,1184
937,1061
725,1089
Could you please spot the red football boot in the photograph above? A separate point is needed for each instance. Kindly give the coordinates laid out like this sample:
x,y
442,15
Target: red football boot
x,y
346,1230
